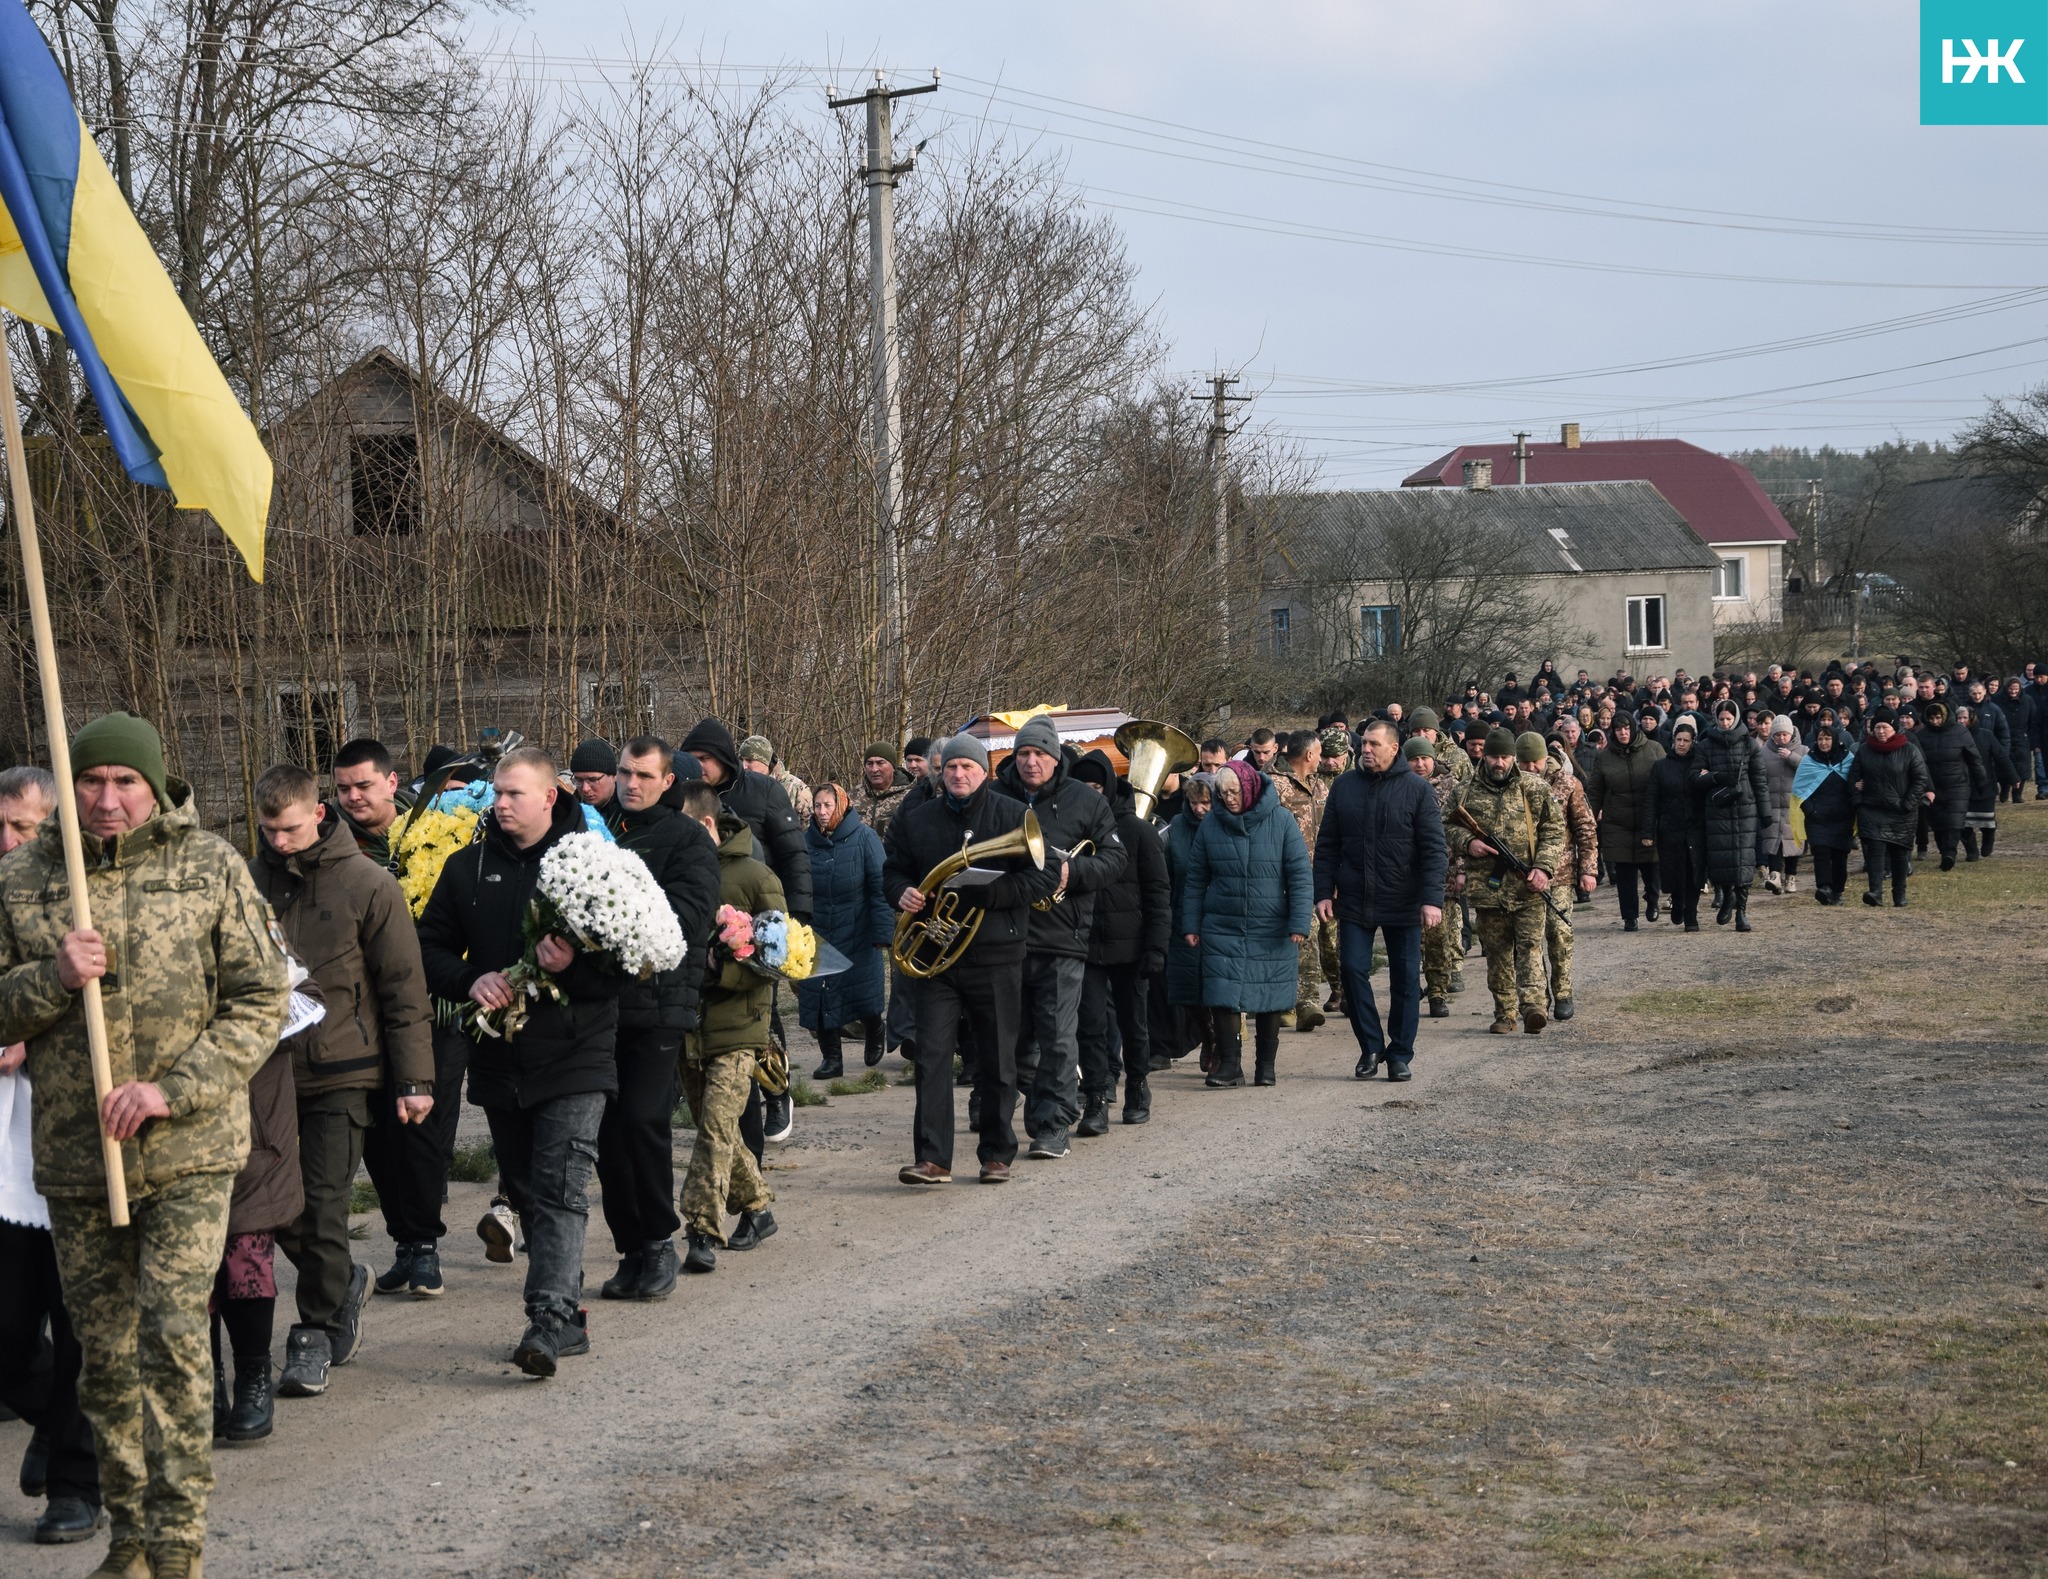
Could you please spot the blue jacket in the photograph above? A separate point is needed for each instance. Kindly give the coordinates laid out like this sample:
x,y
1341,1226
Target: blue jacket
x,y
1247,895
850,912
1380,851
1183,964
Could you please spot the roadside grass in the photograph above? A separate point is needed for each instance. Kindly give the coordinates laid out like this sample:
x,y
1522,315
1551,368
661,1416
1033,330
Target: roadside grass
x,y
803,1094
861,1085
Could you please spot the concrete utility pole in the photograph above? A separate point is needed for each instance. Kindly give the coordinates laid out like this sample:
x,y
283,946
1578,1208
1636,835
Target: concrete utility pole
x,y
880,172
1812,535
1521,457
1220,402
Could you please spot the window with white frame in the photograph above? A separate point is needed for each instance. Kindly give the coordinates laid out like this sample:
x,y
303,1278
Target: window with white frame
x,y
1379,630
1732,579
1646,623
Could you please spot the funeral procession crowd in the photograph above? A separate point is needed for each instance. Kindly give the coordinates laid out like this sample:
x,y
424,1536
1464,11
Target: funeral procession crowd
x,y
1046,926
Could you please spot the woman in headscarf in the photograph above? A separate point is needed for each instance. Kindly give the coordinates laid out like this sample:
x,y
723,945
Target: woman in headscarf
x,y
1735,801
1829,805
1674,810
849,911
1781,757
1247,906
1890,779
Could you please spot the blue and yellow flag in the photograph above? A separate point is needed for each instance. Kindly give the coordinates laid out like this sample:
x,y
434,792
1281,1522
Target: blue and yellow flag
x,y
73,259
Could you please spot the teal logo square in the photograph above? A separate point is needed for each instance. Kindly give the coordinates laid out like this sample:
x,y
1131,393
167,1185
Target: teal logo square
x,y
1984,62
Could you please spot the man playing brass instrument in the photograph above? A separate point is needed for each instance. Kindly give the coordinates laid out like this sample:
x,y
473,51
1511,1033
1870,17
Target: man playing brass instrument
x,y
985,986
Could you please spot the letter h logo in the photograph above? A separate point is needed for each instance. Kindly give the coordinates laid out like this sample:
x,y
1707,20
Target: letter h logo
x,y
1984,62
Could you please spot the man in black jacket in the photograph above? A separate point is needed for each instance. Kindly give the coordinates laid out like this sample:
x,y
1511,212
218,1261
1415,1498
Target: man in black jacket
x,y
985,987
543,1090
1380,862
636,1140
1127,951
1038,773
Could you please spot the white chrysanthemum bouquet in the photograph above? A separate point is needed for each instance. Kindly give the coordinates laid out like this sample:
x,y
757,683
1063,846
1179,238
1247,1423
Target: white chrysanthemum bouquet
x,y
604,900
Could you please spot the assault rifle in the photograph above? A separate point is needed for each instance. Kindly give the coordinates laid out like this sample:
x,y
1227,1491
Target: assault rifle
x,y
1514,863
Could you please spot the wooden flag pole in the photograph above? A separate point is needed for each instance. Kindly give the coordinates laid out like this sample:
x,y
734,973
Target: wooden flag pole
x,y
60,765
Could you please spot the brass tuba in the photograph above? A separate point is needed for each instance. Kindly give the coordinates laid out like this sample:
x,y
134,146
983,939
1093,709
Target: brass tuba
x,y
931,941
1155,752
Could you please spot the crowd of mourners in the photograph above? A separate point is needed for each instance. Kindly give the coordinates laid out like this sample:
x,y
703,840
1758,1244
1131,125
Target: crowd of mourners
x,y
1261,889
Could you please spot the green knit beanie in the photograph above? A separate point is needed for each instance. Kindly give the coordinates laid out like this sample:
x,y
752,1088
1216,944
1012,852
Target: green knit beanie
x,y
121,740
1529,749
1500,742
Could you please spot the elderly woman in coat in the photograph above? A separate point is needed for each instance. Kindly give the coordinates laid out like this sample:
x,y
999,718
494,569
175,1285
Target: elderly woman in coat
x,y
1674,810
1184,959
1891,783
1735,795
1247,906
1781,756
1829,803
849,911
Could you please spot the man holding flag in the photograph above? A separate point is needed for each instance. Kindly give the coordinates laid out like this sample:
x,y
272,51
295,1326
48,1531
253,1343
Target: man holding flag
x,y
183,990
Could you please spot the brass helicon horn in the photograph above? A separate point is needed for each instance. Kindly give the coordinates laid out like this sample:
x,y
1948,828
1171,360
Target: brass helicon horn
x,y
1156,752
932,941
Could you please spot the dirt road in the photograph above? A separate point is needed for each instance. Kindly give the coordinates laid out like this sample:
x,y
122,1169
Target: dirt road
x,y
1742,1272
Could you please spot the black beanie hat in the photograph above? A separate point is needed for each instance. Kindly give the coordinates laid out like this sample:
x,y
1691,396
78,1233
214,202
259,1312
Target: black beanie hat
x,y
594,756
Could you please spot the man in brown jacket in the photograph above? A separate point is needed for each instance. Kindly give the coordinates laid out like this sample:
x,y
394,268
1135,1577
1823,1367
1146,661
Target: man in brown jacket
x,y
344,916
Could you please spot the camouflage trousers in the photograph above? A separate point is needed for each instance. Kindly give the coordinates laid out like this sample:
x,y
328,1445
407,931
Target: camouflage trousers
x,y
1309,988
1442,949
137,1300
1557,940
722,1175
1326,952
1513,940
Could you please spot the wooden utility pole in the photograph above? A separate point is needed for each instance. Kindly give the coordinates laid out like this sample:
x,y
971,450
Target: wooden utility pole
x,y
880,172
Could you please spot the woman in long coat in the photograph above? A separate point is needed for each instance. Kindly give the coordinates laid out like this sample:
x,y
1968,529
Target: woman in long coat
x,y
1891,784
1184,959
1248,905
1615,785
1957,773
1781,756
1674,810
1829,804
1980,821
1735,801
849,911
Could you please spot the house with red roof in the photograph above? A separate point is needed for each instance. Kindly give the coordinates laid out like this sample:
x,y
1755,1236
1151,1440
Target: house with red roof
x,y
1718,497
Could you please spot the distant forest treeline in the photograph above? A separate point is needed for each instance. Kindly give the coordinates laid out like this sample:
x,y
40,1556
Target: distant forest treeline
x,y
1785,473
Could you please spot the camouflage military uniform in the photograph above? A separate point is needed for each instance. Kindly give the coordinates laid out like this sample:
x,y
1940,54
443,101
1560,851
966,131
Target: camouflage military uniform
x,y
1525,820
1304,800
798,791
195,994
1441,944
1336,755
876,809
722,1175
1451,755
1581,855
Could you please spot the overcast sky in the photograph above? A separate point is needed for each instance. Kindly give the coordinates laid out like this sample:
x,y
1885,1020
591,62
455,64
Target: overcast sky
x,y
1682,124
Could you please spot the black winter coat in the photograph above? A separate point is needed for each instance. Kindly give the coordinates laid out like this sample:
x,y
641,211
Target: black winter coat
x,y
473,925
923,835
1674,805
1133,913
1735,800
1954,768
1891,787
763,805
1615,786
1998,769
1068,811
1830,810
1380,852
2019,724
684,861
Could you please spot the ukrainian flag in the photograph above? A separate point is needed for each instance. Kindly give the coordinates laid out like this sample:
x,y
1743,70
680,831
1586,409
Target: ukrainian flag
x,y
73,259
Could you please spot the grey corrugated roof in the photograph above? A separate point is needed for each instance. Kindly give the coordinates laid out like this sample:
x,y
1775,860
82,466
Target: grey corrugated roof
x,y
1607,526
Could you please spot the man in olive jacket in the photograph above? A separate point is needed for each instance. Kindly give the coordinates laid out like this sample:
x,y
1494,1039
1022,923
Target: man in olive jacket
x,y
344,916
193,981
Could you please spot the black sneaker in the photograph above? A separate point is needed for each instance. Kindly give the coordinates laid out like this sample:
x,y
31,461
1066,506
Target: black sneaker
x,y
657,1271
1094,1118
349,1341
752,1228
307,1354
426,1272
573,1339
536,1354
399,1279
702,1256
625,1283
778,1116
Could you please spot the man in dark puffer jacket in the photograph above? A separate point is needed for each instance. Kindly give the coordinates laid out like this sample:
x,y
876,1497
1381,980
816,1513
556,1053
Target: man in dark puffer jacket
x,y
636,1140
544,1090
1128,949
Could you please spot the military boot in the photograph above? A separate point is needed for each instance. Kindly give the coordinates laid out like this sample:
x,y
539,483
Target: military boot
x,y
1137,1101
625,1283
174,1560
1307,1017
125,1559
249,1420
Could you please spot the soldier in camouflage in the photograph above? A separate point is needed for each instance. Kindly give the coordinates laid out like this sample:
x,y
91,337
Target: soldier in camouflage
x,y
1440,943
1423,724
1302,791
1580,868
1336,757
193,979
1519,816
882,787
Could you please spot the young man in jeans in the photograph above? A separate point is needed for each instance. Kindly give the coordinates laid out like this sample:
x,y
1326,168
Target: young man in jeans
x,y
543,1090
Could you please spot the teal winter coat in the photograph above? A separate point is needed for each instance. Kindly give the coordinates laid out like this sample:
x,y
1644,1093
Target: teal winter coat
x,y
1248,893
